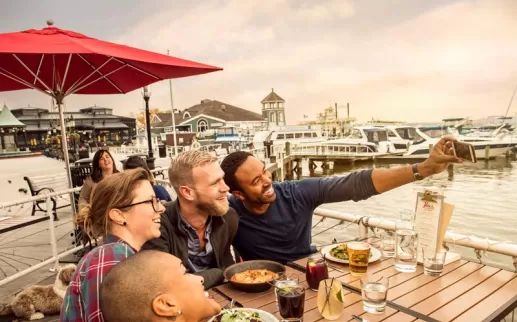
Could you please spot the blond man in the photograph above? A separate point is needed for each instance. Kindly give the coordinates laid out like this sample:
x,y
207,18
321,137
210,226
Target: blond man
x,y
199,226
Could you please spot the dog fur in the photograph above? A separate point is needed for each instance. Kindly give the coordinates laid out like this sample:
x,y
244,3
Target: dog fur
x,y
37,301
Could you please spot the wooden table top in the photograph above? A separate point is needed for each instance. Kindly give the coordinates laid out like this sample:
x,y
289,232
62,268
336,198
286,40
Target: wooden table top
x,y
466,291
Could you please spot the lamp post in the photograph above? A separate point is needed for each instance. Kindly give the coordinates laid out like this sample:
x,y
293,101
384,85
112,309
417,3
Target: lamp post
x,y
146,93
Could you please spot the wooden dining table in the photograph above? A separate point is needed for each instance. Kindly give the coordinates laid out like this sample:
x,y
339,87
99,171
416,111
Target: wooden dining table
x,y
466,291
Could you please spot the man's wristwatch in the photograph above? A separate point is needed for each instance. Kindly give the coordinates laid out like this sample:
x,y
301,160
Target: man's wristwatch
x,y
417,175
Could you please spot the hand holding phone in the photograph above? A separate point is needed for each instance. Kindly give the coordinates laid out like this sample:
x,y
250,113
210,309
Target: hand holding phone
x,y
464,151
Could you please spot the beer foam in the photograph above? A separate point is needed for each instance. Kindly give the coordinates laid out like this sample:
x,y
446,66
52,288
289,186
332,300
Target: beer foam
x,y
359,246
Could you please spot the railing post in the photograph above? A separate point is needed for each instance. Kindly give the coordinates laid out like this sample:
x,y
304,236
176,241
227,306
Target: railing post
x,y
53,241
363,229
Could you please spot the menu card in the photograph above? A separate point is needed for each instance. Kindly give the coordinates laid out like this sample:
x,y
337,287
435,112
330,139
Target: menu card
x,y
429,219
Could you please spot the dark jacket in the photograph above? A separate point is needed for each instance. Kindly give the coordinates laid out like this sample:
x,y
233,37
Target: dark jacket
x,y
174,240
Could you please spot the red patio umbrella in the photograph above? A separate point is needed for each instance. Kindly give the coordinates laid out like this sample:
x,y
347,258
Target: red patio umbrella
x,y
59,63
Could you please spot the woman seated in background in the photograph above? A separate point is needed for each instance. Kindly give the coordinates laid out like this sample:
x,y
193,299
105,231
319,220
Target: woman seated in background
x,y
103,166
125,212
135,162
153,286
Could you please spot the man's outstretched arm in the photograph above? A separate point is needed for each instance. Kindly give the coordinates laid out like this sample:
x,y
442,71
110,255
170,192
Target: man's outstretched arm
x,y
439,159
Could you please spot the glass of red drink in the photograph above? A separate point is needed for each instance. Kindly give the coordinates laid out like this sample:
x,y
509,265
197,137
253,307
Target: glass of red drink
x,y
316,271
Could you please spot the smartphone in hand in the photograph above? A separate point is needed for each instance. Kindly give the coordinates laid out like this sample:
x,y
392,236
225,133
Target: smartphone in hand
x,y
464,151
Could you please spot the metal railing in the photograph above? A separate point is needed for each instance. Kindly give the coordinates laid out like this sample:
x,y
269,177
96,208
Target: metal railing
x,y
480,245
345,150
53,239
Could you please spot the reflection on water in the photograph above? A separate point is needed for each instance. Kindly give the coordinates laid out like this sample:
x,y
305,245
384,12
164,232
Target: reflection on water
x,y
484,196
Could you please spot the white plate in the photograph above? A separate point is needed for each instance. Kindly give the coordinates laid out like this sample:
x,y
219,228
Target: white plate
x,y
266,317
376,254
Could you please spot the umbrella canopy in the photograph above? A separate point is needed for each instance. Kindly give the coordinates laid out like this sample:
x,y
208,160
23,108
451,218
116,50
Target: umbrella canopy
x,y
55,60
59,63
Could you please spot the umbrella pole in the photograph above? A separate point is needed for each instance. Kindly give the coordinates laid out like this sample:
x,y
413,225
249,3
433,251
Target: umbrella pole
x,y
64,145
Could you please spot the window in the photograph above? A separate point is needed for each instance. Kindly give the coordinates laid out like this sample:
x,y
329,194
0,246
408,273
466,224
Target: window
x,y
272,117
298,135
307,135
289,136
356,134
280,136
202,126
391,134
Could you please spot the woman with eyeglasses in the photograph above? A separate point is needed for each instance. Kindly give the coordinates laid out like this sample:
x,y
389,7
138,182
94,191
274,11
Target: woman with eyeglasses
x,y
103,166
125,213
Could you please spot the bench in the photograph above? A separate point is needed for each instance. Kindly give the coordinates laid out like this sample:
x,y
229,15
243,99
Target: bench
x,y
41,185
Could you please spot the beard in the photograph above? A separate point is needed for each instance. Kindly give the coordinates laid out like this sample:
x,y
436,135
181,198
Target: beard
x,y
212,208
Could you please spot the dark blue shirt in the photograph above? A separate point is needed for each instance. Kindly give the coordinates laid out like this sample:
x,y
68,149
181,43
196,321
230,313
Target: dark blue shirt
x,y
283,232
161,193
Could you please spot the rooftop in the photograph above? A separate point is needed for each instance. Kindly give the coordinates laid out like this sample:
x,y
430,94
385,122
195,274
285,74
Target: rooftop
x,y
7,119
272,98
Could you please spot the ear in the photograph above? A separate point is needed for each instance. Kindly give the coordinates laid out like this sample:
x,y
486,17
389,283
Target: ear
x,y
117,216
165,305
187,193
239,195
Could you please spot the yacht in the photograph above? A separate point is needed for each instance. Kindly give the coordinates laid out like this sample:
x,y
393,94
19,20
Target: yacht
x,y
295,135
365,139
229,137
401,136
426,136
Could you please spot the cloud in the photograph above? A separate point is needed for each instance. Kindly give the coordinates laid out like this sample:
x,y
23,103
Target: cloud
x,y
398,59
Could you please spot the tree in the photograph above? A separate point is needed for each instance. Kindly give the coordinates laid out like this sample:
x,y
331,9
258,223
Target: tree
x,y
140,119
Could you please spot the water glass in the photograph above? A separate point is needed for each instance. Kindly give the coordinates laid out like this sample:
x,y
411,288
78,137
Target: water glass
x,y
407,216
374,290
316,270
433,262
406,247
330,299
291,301
387,238
358,257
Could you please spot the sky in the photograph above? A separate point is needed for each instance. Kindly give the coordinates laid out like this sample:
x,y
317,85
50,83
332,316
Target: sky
x,y
416,61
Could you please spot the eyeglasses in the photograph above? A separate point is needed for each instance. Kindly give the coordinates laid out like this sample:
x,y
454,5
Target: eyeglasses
x,y
154,201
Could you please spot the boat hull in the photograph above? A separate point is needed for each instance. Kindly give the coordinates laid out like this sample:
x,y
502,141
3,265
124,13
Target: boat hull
x,y
495,150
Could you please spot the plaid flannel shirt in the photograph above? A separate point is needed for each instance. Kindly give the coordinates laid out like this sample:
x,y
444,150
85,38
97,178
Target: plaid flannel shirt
x,y
81,302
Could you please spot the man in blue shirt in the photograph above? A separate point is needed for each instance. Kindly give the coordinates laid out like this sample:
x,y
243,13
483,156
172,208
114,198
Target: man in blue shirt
x,y
275,218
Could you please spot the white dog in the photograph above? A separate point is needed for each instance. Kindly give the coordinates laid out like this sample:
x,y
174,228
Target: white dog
x,y
36,301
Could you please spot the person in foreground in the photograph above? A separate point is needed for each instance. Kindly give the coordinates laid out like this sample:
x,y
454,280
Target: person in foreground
x,y
199,226
154,286
135,162
125,212
275,218
103,166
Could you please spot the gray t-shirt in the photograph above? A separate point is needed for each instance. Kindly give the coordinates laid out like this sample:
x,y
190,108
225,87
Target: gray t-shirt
x,y
283,232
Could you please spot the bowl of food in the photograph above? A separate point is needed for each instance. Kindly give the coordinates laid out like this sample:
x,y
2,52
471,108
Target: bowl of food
x,y
254,276
243,315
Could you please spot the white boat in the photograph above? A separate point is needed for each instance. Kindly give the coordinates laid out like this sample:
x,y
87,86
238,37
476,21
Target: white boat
x,y
401,136
279,136
426,136
229,137
365,139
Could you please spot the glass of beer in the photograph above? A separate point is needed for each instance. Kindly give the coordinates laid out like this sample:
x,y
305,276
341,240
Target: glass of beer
x,y
358,257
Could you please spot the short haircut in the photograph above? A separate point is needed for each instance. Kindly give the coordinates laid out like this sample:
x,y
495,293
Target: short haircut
x,y
128,290
135,162
180,171
230,165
